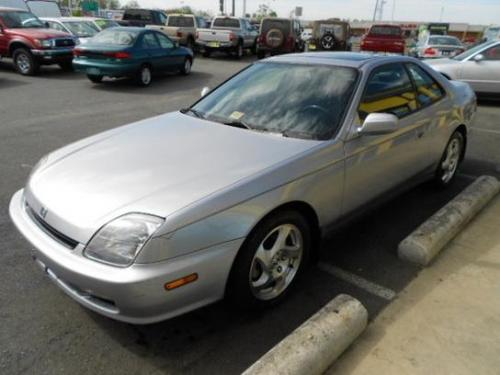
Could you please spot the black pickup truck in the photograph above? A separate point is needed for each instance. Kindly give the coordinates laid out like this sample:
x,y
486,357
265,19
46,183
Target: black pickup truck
x,y
143,17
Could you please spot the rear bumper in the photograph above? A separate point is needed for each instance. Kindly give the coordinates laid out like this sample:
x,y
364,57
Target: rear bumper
x,y
133,294
106,69
204,45
383,49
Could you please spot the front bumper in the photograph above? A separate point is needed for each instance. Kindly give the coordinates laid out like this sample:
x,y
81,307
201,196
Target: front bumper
x,y
53,55
134,294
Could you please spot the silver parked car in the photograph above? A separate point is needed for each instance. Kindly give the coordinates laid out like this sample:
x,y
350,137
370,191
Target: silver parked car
x,y
436,46
479,67
230,197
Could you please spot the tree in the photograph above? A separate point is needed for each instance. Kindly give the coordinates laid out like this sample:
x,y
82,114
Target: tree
x,y
264,11
131,4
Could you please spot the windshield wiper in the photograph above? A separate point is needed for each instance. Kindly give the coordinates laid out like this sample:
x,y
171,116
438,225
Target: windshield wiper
x,y
238,124
193,111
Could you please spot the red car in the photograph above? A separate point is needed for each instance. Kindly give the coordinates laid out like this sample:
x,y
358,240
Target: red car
x,y
384,38
30,43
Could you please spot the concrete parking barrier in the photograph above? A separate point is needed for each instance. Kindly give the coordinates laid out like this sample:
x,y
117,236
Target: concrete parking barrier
x,y
426,241
313,346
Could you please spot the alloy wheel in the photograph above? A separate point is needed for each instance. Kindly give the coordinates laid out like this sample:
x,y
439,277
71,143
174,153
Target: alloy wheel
x,y
276,262
24,63
450,163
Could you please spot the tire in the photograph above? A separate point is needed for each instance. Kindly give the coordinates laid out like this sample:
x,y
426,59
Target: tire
x,y
247,287
261,55
239,51
144,76
190,44
94,79
206,53
186,67
25,62
67,66
450,161
328,42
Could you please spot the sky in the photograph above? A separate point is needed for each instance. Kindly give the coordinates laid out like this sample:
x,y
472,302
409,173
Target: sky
x,y
470,11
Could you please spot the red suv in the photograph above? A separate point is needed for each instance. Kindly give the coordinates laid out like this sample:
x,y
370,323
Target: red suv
x,y
278,36
30,43
384,38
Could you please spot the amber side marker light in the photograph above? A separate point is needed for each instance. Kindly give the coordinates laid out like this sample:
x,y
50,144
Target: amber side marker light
x,y
181,282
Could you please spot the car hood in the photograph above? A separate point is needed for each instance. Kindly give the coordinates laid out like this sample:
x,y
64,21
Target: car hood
x,y
39,33
155,166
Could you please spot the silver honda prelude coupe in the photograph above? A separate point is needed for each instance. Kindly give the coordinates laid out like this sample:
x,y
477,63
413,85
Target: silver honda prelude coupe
x,y
229,197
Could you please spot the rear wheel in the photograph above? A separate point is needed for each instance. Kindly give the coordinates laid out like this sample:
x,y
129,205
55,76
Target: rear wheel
x,y
186,67
270,261
144,76
94,79
239,51
261,55
450,160
24,62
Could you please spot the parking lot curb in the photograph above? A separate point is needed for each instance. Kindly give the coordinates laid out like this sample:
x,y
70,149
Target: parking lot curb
x,y
313,346
428,239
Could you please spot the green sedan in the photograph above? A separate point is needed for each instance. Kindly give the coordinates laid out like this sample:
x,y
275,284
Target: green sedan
x,y
131,52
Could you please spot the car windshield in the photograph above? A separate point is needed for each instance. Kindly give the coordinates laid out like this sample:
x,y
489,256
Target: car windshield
x,y
443,41
301,101
116,37
105,24
472,51
81,28
385,30
21,20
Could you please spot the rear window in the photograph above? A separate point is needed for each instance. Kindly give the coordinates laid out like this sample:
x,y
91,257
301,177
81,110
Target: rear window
x,y
227,22
137,15
179,21
283,25
115,37
443,41
385,30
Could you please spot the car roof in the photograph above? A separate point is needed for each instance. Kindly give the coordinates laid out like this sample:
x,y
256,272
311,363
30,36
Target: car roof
x,y
347,59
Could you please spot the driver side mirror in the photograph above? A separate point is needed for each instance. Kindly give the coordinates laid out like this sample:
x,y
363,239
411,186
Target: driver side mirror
x,y
379,124
479,57
205,91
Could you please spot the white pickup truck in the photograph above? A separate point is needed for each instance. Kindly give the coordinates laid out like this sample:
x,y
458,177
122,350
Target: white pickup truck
x,y
182,28
227,34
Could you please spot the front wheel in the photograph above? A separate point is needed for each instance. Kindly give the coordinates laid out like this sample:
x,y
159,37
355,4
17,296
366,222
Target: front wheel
x,y
186,67
25,62
450,160
271,259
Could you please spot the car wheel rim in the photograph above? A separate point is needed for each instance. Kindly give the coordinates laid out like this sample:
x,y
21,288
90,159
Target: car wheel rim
x,y
328,42
23,62
146,76
187,66
276,262
450,163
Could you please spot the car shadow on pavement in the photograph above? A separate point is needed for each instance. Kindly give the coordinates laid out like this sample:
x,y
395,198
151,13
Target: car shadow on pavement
x,y
6,83
217,337
162,84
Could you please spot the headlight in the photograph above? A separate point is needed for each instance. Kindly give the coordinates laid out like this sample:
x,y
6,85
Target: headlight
x,y
46,43
119,241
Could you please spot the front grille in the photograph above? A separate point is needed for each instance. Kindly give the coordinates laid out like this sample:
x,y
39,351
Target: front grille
x,y
65,43
51,231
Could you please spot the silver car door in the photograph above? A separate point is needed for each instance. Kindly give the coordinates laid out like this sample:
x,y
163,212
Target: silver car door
x,y
377,163
483,74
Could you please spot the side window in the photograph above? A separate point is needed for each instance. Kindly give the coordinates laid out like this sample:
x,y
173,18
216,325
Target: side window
x,y
428,90
149,41
163,19
388,90
164,41
492,54
56,26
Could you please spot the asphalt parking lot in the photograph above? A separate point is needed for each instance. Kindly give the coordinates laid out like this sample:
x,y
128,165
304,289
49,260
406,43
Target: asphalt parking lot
x,y
44,332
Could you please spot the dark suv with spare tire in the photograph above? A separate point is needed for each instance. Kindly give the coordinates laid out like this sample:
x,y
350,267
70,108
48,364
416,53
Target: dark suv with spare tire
x,y
279,36
330,35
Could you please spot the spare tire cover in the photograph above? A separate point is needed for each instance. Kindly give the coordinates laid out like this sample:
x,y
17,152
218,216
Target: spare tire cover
x,y
328,41
274,38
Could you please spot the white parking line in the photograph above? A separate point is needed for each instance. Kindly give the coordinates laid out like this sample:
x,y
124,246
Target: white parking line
x,y
364,284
